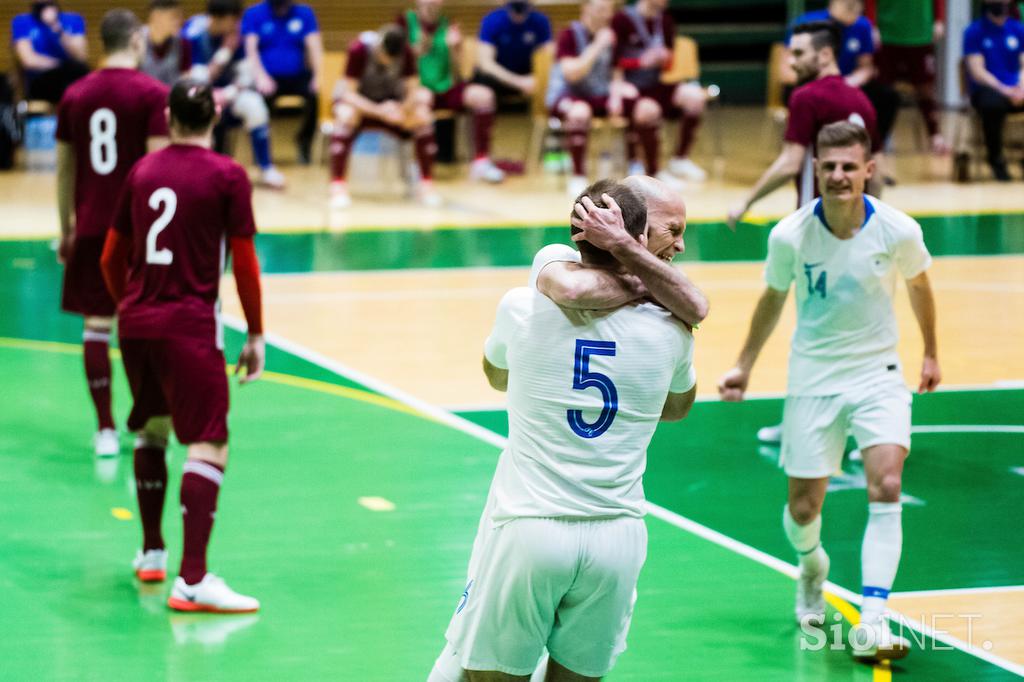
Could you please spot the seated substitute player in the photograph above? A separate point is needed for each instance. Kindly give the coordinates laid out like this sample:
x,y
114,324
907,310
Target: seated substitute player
x,y
50,49
844,252
645,37
381,89
509,36
994,52
562,540
581,85
822,98
285,54
438,47
168,57
909,31
215,41
105,123
557,272
162,261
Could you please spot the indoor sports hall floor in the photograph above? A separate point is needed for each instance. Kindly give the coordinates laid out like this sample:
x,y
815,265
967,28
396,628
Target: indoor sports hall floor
x,y
360,463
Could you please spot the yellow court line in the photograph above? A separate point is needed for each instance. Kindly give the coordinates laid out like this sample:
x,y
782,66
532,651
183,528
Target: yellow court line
x,y
273,377
880,672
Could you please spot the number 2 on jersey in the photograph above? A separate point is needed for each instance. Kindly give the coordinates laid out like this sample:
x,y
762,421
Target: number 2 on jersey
x,y
103,141
166,197
583,378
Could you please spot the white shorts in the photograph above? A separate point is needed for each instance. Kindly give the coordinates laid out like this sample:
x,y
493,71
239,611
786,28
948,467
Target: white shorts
x,y
814,428
565,584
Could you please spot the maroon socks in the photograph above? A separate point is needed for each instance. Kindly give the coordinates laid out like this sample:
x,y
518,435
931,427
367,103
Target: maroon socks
x,y
687,132
200,485
96,352
150,489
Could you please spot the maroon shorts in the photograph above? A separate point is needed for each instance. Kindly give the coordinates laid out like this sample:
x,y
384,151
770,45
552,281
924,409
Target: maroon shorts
x,y
453,99
598,106
84,290
183,378
910,63
662,93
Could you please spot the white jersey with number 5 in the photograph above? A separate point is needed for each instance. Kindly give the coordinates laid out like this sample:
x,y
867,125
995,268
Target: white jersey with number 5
x,y
846,331
585,393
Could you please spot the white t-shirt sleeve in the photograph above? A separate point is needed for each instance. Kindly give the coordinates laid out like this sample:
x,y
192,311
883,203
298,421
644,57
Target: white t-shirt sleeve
x,y
685,375
505,324
910,254
552,253
778,268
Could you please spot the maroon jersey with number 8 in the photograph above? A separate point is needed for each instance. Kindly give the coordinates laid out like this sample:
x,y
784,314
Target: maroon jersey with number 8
x,y
106,117
179,207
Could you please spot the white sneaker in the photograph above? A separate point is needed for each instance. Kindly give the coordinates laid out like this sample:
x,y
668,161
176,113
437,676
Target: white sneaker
x,y
428,196
150,566
340,197
770,434
575,186
636,168
272,178
106,443
810,600
210,594
875,641
674,183
687,169
484,170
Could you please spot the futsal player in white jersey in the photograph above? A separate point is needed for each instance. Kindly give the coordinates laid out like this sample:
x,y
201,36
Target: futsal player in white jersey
x,y
562,541
844,253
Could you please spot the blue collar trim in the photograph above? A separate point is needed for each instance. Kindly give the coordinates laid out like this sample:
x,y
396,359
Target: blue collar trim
x,y
819,211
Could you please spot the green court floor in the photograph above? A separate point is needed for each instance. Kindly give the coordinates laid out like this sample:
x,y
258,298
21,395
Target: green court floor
x,y
354,594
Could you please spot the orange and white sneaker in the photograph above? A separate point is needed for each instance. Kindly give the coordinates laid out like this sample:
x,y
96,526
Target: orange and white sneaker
x,y
212,595
151,566
340,198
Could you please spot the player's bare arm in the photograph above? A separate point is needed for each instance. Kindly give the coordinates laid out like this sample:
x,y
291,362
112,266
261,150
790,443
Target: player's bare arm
x,y
922,301
782,170
677,405
571,285
488,63
733,383
577,68
264,83
496,377
32,60
65,196
669,286
864,71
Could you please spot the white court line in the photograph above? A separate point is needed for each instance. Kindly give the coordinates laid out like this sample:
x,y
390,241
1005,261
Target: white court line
x,y
657,511
968,428
958,590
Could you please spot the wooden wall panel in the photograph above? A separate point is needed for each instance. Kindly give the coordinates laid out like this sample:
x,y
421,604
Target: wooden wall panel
x,y
340,20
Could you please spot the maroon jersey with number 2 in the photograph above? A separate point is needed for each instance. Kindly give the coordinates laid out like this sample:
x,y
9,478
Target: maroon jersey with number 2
x,y
106,117
179,207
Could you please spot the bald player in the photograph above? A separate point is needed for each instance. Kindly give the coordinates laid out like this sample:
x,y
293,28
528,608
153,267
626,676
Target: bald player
x,y
843,254
562,540
105,123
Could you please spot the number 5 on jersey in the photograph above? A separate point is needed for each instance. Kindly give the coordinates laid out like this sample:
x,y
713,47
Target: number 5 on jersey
x,y
165,197
583,378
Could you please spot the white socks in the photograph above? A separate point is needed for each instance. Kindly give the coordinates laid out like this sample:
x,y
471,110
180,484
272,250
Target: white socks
x,y
880,556
806,540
